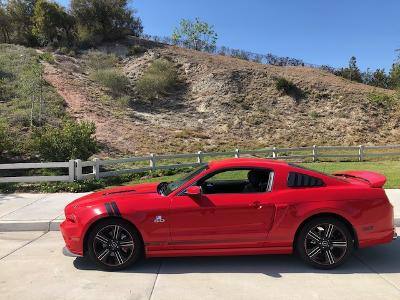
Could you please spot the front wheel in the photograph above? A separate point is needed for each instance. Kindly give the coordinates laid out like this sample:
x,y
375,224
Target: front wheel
x,y
324,243
114,244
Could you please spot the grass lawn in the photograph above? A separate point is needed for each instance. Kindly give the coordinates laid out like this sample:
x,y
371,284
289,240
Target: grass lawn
x,y
391,169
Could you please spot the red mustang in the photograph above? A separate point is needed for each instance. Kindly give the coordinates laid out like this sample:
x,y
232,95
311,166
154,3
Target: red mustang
x,y
241,206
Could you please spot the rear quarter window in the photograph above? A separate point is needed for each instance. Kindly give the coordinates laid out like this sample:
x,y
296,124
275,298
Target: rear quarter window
x,y
296,179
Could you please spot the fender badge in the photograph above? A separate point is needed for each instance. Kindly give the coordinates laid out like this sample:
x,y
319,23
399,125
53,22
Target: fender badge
x,y
159,219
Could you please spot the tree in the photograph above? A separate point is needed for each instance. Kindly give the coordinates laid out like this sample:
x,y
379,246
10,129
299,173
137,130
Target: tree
x,y
52,24
105,20
4,24
20,13
352,72
380,79
394,73
196,35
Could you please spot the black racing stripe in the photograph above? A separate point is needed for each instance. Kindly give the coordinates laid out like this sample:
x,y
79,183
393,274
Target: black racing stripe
x,y
116,209
109,209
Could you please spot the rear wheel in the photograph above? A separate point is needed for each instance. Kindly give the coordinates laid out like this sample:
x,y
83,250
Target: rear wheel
x,y
324,243
114,244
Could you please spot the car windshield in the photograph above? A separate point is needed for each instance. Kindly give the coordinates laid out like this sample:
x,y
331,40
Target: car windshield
x,y
172,186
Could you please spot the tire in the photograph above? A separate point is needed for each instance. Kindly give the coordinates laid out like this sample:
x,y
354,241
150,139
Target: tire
x,y
324,243
114,244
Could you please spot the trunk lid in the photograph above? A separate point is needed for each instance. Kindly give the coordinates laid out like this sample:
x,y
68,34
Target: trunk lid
x,y
373,179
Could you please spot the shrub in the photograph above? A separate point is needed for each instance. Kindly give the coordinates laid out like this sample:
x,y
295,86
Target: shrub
x,y
289,88
5,139
382,99
112,79
47,56
159,78
70,141
136,50
96,60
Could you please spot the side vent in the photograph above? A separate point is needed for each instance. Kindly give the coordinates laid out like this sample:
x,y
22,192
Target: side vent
x,y
301,180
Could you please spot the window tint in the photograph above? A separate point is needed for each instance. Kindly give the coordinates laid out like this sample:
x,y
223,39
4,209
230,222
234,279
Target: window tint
x,y
232,181
302,180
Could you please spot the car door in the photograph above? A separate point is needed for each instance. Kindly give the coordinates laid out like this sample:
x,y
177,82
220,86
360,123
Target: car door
x,y
224,215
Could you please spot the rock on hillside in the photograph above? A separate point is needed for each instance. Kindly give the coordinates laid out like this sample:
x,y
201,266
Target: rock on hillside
x,y
223,103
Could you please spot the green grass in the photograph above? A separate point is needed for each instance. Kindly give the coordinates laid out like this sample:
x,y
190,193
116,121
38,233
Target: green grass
x,y
391,169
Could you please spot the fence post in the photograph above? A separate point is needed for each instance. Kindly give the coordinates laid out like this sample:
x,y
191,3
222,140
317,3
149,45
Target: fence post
x,y
96,168
71,170
237,153
361,153
200,157
314,153
152,162
78,169
274,153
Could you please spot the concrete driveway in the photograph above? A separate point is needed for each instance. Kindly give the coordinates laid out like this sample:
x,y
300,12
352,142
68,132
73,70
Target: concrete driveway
x,y
32,267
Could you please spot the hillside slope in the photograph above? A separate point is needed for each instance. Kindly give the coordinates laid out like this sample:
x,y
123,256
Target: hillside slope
x,y
223,103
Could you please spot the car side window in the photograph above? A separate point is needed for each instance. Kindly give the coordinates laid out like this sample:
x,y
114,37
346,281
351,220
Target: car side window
x,y
249,180
298,180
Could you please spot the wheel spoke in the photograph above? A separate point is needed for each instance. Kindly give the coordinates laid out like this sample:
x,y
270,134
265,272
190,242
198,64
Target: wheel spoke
x,y
329,256
314,236
119,257
102,239
104,254
339,244
116,231
314,252
329,231
126,244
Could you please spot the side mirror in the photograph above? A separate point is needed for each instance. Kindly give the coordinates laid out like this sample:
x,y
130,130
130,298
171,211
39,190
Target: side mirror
x,y
194,191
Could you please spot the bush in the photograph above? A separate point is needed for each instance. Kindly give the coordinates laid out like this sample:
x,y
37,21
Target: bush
x,y
96,60
136,50
47,56
111,78
5,139
289,88
70,141
159,78
382,99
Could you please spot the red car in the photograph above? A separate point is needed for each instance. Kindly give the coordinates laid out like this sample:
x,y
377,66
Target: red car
x,y
240,206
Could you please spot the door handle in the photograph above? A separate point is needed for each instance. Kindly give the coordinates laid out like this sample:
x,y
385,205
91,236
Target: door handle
x,y
256,204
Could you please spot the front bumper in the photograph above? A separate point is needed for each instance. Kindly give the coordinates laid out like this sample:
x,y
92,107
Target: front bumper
x,y
72,234
68,253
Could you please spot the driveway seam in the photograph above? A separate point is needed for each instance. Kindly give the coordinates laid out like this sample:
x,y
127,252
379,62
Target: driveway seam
x,y
26,244
376,272
155,281
46,196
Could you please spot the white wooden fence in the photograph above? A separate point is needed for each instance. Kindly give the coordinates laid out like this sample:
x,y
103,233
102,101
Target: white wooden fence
x,y
98,168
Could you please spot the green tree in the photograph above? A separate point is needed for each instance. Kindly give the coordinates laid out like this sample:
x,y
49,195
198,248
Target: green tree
x,y
105,20
352,72
380,79
195,35
52,24
4,25
70,141
20,14
394,73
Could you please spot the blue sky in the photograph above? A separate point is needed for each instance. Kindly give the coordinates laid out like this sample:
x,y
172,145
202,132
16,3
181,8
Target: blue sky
x,y
317,31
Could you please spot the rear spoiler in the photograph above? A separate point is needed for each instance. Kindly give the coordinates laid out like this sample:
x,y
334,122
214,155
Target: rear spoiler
x,y
374,179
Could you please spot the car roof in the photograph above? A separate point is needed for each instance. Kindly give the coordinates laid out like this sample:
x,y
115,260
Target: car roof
x,y
246,162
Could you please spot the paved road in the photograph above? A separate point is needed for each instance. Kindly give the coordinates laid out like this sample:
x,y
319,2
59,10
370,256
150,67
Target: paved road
x,y
32,267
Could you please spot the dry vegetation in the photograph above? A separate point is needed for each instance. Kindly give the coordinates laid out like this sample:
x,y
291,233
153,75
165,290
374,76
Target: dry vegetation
x,y
216,102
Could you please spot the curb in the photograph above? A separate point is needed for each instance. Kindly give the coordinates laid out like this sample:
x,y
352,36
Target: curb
x,y
45,226
54,225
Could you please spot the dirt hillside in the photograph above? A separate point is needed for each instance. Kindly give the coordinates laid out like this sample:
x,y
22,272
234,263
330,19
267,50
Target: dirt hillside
x,y
223,103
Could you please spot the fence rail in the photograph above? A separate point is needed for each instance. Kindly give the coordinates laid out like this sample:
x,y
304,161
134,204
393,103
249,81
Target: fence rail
x,y
98,168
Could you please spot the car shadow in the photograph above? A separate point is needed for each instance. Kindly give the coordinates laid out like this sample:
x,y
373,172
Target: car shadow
x,y
379,259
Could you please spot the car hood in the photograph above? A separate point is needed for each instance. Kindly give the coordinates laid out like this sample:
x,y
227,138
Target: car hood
x,y
106,194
